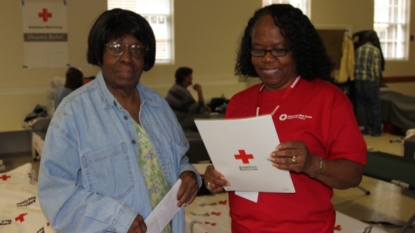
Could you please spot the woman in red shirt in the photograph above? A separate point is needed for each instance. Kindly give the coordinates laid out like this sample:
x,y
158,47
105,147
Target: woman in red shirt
x,y
321,144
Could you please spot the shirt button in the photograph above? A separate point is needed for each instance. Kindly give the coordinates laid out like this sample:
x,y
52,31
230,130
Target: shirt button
x,y
125,117
133,141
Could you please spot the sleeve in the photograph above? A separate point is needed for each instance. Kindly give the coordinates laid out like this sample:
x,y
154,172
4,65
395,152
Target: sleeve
x,y
345,140
190,103
377,64
181,99
184,162
67,205
182,141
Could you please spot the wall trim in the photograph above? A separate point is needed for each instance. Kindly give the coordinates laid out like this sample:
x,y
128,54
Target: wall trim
x,y
23,90
398,79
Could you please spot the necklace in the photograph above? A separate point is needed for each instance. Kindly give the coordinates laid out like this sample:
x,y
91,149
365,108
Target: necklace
x,y
287,92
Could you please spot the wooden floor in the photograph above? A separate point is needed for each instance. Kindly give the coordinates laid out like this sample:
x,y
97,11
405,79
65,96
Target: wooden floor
x,y
388,206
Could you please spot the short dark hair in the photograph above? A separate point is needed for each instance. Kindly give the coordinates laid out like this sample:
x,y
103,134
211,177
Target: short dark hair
x,y
117,23
372,37
74,78
181,74
308,49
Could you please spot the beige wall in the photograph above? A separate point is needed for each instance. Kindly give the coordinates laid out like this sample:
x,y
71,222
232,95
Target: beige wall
x,y
206,38
359,15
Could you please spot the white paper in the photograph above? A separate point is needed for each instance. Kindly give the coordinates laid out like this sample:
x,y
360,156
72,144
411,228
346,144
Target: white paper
x,y
164,211
255,137
252,196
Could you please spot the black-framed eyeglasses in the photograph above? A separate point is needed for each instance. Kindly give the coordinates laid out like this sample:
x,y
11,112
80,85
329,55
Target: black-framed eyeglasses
x,y
116,49
274,52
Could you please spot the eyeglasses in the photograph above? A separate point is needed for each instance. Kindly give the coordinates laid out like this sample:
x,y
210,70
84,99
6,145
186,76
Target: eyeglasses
x,y
137,51
274,52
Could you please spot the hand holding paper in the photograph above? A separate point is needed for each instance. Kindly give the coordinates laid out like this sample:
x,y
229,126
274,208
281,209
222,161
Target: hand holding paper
x,y
240,151
164,211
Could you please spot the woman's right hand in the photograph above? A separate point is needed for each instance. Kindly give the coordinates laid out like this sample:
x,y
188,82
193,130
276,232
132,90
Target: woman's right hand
x,y
138,225
214,180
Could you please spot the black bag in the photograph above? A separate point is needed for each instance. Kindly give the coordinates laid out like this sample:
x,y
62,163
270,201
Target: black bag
x,y
39,111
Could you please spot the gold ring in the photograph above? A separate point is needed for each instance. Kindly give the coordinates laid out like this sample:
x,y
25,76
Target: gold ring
x,y
208,186
293,159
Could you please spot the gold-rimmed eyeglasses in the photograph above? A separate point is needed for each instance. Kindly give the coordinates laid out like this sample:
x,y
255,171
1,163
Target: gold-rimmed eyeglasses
x,y
116,49
274,52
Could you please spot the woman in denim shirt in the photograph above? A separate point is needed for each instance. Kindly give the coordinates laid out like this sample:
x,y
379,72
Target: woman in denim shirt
x,y
114,147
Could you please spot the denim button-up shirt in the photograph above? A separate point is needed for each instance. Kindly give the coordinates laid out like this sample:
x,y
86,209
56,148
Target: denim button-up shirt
x,y
89,179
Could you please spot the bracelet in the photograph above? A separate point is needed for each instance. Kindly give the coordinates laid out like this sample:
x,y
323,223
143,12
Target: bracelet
x,y
319,169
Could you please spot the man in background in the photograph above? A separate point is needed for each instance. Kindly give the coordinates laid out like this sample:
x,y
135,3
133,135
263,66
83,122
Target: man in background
x,y
368,73
182,102
74,80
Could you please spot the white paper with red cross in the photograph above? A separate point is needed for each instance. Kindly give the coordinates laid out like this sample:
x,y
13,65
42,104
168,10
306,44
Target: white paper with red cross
x,y
239,149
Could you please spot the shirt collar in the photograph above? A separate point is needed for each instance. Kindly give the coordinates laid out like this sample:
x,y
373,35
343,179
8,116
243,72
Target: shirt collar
x,y
109,100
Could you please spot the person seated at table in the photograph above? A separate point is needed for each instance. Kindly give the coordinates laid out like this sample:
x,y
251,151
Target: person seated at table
x,y
182,102
74,80
320,142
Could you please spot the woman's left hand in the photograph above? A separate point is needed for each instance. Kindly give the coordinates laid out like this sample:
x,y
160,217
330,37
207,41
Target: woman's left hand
x,y
292,156
188,188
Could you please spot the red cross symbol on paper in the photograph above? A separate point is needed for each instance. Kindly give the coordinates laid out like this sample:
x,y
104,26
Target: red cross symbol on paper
x,y
338,228
244,157
4,177
20,217
45,15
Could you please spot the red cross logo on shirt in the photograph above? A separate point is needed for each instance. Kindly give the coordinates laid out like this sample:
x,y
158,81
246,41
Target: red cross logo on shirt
x,y
244,157
20,217
4,177
45,15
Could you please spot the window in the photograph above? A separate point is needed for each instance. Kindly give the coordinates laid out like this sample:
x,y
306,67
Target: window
x,y
392,26
159,13
303,5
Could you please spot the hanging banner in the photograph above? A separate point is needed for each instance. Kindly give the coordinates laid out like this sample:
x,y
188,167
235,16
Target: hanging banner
x,y
45,34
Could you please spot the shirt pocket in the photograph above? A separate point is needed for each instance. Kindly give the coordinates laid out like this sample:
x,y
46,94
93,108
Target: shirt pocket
x,y
170,154
179,153
177,149
109,171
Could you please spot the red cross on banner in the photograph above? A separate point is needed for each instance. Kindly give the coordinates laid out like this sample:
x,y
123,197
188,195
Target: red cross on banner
x,y
4,177
45,34
45,15
244,157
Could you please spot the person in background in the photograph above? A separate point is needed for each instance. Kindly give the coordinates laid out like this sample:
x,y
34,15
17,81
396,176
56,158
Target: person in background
x,y
320,142
88,79
182,102
368,74
114,147
74,80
